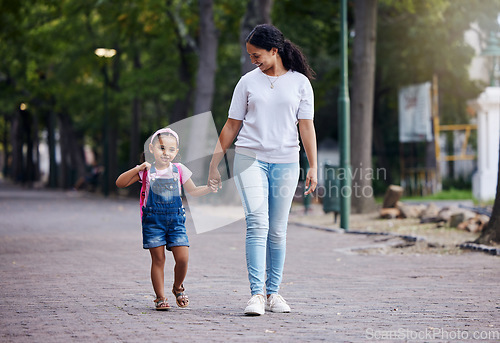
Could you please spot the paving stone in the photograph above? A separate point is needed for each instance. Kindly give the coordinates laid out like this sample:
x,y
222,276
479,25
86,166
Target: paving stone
x,y
73,269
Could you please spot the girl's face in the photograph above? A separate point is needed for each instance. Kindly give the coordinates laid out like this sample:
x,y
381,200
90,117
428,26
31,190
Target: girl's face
x,y
262,58
164,150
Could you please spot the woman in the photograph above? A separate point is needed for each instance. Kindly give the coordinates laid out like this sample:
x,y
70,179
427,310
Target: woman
x,y
267,104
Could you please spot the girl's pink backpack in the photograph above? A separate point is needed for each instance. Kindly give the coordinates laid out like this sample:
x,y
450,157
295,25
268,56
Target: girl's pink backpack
x,y
142,196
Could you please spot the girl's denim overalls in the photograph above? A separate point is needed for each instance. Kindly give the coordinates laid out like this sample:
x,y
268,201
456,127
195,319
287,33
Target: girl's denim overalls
x,y
163,217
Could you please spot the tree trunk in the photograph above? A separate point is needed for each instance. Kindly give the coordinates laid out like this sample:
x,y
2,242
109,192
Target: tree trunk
x,y
207,61
365,13
186,46
258,12
491,233
17,148
135,145
64,167
113,154
72,156
36,144
392,196
29,172
381,150
114,86
51,140
6,154
181,106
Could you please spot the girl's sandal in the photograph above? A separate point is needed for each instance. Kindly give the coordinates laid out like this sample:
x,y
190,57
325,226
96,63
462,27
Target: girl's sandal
x,y
180,298
161,304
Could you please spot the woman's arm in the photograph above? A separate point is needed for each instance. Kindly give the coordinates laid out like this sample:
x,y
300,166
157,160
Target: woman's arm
x,y
308,136
198,191
130,176
226,138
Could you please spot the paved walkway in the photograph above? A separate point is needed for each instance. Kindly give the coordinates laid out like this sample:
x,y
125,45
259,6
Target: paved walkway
x,y
72,268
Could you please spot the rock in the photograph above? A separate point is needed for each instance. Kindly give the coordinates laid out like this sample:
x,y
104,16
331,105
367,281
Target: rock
x,y
430,211
456,219
390,213
462,225
475,224
411,211
445,214
483,218
392,195
461,216
441,224
468,214
430,219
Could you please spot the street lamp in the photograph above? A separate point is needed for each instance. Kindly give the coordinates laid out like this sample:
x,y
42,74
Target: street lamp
x,y
493,50
344,123
105,53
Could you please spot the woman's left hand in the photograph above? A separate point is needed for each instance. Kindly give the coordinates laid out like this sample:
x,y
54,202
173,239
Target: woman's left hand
x,y
311,180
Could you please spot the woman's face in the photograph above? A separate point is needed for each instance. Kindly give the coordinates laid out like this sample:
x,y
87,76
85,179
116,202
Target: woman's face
x,y
261,57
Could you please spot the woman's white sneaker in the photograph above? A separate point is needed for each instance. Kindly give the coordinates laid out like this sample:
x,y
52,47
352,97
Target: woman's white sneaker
x,y
256,305
276,303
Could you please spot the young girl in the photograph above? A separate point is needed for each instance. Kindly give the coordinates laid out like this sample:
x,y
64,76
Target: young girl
x,y
163,216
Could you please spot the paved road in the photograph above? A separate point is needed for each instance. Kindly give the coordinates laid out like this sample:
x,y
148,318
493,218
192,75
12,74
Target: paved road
x,y
72,268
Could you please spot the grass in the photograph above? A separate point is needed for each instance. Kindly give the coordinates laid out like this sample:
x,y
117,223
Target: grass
x,y
448,194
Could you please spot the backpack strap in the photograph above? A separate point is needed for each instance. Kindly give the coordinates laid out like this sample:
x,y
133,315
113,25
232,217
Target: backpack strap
x,y
179,169
143,189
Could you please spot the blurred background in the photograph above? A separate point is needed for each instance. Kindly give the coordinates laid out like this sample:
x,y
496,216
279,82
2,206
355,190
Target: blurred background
x,y
84,83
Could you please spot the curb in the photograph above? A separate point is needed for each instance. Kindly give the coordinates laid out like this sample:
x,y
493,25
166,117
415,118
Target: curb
x,y
407,238
466,246
315,227
480,247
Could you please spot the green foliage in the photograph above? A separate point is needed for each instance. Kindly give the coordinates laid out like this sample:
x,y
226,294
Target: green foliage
x,y
314,25
460,183
419,39
47,59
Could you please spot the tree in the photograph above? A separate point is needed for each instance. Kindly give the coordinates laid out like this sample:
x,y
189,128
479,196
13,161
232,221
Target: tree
x,y
314,26
207,59
416,40
491,233
365,27
258,12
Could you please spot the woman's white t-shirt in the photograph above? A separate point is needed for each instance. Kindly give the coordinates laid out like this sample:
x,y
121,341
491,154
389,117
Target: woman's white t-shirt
x,y
270,115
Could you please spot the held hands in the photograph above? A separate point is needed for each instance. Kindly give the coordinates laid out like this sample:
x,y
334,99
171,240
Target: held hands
x,y
213,185
214,179
311,180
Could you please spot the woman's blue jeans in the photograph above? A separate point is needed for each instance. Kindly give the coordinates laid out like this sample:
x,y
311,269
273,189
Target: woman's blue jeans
x,y
266,191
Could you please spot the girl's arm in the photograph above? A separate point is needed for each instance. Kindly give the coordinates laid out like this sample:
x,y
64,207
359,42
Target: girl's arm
x,y
130,176
226,138
198,191
308,136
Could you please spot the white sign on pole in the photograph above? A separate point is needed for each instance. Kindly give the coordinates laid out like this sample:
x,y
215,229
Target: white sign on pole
x,y
415,119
